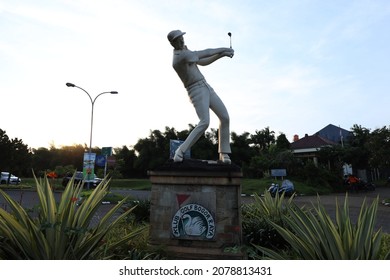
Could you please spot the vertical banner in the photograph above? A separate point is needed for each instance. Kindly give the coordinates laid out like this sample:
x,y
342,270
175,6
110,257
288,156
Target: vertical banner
x,y
89,166
101,160
106,152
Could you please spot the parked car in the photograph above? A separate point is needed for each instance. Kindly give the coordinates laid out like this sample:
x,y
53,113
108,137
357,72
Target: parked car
x,y
79,176
5,176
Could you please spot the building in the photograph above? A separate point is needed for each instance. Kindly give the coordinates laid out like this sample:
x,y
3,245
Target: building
x,y
335,134
308,146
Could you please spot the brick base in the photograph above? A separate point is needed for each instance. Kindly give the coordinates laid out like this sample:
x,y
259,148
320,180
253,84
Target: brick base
x,y
195,209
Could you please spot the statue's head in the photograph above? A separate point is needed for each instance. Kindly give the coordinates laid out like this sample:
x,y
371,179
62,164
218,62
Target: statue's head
x,y
173,35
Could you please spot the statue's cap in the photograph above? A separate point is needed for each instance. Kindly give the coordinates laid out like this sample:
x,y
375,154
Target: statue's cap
x,y
174,34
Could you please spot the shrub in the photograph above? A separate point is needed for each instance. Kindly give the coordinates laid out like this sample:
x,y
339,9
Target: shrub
x,y
140,212
60,231
385,247
256,218
314,236
135,249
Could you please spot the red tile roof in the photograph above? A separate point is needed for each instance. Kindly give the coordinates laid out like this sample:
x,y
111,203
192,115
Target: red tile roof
x,y
314,141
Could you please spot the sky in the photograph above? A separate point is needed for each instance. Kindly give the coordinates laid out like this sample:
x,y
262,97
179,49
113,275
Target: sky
x,y
299,65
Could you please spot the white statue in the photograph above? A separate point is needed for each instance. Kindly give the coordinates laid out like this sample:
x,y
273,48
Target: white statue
x,y
203,97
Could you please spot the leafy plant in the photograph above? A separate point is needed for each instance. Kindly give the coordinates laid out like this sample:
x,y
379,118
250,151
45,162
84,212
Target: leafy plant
x,y
256,225
60,231
385,247
313,235
141,210
135,249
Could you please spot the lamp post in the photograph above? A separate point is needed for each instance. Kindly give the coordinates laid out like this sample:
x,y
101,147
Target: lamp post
x,y
92,105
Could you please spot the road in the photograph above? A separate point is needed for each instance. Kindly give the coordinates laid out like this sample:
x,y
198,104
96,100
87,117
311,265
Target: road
x,y
29,199
355,201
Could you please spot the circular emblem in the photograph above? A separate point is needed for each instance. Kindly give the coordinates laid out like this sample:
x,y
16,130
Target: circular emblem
x,y
193,221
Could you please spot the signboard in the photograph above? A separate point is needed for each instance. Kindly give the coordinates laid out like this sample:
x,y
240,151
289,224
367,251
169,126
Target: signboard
x,y
107,151
111,161
101,160
278,172
173,145
193,221
89,165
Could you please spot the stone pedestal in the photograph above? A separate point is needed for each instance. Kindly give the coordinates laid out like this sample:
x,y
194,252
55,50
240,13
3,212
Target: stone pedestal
x,y
195,209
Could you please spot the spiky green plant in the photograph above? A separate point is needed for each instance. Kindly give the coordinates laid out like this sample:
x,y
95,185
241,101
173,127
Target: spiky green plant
x,y
256,216
61,230
313,235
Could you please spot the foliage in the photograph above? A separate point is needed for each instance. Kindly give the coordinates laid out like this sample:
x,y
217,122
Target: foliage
x,y
134,249
255,153
60,231
141,210
385,247
320,178
379,147
126,159
15,156
314,236
256,225
263,139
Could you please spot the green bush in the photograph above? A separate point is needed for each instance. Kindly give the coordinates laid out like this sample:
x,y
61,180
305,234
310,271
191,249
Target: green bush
x,y
135,249
140,212
60,231
256,218
385,247
314,236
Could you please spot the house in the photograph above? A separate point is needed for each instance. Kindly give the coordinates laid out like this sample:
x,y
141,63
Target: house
x,y
308,146
335,134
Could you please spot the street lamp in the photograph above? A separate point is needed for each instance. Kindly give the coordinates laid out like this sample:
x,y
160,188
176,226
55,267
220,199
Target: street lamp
x,y
92,104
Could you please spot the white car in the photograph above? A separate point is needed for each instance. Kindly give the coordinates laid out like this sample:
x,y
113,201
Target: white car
x,y
12,178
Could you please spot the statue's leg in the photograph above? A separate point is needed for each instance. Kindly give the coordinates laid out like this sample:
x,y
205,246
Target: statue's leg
x,y
200,98
220,110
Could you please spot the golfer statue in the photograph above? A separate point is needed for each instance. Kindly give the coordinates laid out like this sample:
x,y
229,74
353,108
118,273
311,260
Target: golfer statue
x,y
202,96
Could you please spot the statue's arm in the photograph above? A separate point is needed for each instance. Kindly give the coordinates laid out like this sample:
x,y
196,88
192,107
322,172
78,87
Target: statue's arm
x,y
208,56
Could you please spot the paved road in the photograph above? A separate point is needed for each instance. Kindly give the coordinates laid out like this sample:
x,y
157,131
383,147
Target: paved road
x,y
355,201
29,199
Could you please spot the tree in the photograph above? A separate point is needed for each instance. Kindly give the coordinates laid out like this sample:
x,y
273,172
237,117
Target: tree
x,y
357,152
241,150
5,150
125,159
15,156
379,147
282,143
152,151
263,139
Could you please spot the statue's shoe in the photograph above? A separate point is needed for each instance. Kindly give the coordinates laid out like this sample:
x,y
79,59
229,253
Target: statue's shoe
x,y
179,155
225,158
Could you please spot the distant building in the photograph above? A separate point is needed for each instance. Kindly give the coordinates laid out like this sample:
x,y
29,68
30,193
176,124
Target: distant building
x,y
308,146
335,134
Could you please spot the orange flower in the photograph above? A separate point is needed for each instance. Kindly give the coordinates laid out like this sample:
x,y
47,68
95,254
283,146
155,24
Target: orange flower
x,y
52,175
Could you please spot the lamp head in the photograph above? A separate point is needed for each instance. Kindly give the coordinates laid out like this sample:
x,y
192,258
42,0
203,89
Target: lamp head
x,y
70,85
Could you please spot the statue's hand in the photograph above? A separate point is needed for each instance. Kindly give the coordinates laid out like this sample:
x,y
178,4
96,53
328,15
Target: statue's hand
x,y
229,53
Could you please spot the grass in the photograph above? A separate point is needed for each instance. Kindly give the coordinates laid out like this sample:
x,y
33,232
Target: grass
x,y
134,184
